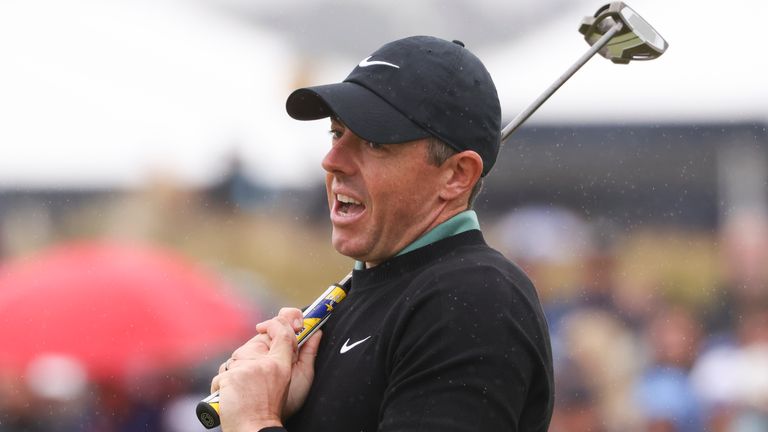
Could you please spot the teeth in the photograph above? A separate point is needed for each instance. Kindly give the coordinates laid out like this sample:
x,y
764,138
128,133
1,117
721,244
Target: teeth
x,y
347,200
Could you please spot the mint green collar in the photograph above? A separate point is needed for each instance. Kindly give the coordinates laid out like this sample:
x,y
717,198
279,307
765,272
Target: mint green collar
x,y
464,221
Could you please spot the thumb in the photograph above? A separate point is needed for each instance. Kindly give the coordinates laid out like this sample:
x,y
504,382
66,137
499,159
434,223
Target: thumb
x,y
308,350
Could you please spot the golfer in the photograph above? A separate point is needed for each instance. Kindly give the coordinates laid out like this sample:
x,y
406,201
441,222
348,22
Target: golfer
x,y
439,332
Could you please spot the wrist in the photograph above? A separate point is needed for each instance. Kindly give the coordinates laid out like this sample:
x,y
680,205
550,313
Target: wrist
x,y
267,425
254,425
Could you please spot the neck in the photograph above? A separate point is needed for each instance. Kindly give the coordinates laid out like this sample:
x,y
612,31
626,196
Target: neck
x,y
454,224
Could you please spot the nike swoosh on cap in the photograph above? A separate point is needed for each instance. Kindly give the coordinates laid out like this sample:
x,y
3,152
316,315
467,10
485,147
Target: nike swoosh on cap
x,y
345,347
366,62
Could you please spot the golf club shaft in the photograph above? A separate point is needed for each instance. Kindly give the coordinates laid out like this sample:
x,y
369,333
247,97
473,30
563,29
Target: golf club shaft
x,y
523,116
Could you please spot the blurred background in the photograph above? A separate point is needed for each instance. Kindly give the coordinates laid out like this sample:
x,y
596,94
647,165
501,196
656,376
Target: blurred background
x,y
156,201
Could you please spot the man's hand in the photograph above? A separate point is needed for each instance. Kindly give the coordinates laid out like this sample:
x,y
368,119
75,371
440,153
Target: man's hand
x,y
265,380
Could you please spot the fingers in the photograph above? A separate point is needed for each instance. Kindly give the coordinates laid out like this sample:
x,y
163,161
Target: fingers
x,y
257,345
223,368
277,337
308,351
282,332
306,357
292,316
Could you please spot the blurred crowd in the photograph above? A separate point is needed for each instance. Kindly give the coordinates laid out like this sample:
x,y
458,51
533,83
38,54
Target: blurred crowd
x,y
55,397
634,356
633,350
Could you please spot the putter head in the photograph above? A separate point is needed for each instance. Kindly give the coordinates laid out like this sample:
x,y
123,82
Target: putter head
x,y
636,40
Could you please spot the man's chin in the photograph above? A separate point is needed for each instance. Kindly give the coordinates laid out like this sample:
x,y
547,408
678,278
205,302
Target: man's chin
x,y
347,247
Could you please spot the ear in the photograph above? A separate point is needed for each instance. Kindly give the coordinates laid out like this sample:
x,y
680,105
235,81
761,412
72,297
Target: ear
x,y
461,171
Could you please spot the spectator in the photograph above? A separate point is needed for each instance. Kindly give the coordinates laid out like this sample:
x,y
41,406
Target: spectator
x,y
745,254
604,350
576,406
664,392
732,379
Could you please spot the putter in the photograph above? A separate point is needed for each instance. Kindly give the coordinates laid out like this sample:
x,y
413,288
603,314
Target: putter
x,y
616,31
619,34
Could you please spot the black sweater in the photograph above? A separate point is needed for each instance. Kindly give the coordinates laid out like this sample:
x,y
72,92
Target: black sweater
x,y
449,337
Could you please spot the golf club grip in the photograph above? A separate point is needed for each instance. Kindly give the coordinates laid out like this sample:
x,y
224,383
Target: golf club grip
x,y
315,315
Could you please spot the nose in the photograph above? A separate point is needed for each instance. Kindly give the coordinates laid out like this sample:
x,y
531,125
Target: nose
x,y
340,158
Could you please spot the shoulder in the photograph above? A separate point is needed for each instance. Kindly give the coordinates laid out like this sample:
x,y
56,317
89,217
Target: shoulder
x,y
473,284
471,305
475,271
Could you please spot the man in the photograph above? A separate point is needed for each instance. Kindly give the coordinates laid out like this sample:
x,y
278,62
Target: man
x,y
438,330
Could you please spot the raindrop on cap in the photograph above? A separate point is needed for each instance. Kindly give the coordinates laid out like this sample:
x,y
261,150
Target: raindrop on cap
x,y
458,42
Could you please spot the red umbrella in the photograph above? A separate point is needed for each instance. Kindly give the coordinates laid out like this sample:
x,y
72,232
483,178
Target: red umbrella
x,y
119,310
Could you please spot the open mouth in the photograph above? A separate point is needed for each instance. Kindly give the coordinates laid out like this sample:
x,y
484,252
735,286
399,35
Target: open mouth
x,y
348,206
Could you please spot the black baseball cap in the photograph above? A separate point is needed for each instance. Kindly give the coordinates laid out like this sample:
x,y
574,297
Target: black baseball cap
x,y
410,89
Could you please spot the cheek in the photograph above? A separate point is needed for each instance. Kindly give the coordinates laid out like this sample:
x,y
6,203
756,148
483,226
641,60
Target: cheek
x,y
404,203
328,185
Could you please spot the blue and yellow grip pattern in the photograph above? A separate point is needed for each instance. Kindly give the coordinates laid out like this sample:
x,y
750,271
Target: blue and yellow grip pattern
x,y
314,316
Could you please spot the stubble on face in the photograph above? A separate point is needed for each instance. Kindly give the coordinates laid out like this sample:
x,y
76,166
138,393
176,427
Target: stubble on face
x,y
381,198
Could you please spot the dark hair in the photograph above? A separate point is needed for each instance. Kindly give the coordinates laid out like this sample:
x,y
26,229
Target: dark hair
x,y
438,152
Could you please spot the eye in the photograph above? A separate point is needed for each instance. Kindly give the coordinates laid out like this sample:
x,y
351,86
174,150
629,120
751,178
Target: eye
x,y
374,146
335,133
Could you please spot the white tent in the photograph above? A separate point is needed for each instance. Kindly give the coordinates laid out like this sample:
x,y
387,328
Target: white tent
x,y
109,93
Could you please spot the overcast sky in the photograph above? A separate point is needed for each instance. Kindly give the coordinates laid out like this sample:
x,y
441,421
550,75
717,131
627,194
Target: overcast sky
x,y
116,92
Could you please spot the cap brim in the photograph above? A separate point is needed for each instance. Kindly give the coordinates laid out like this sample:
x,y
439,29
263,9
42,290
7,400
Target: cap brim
x,y
366,114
